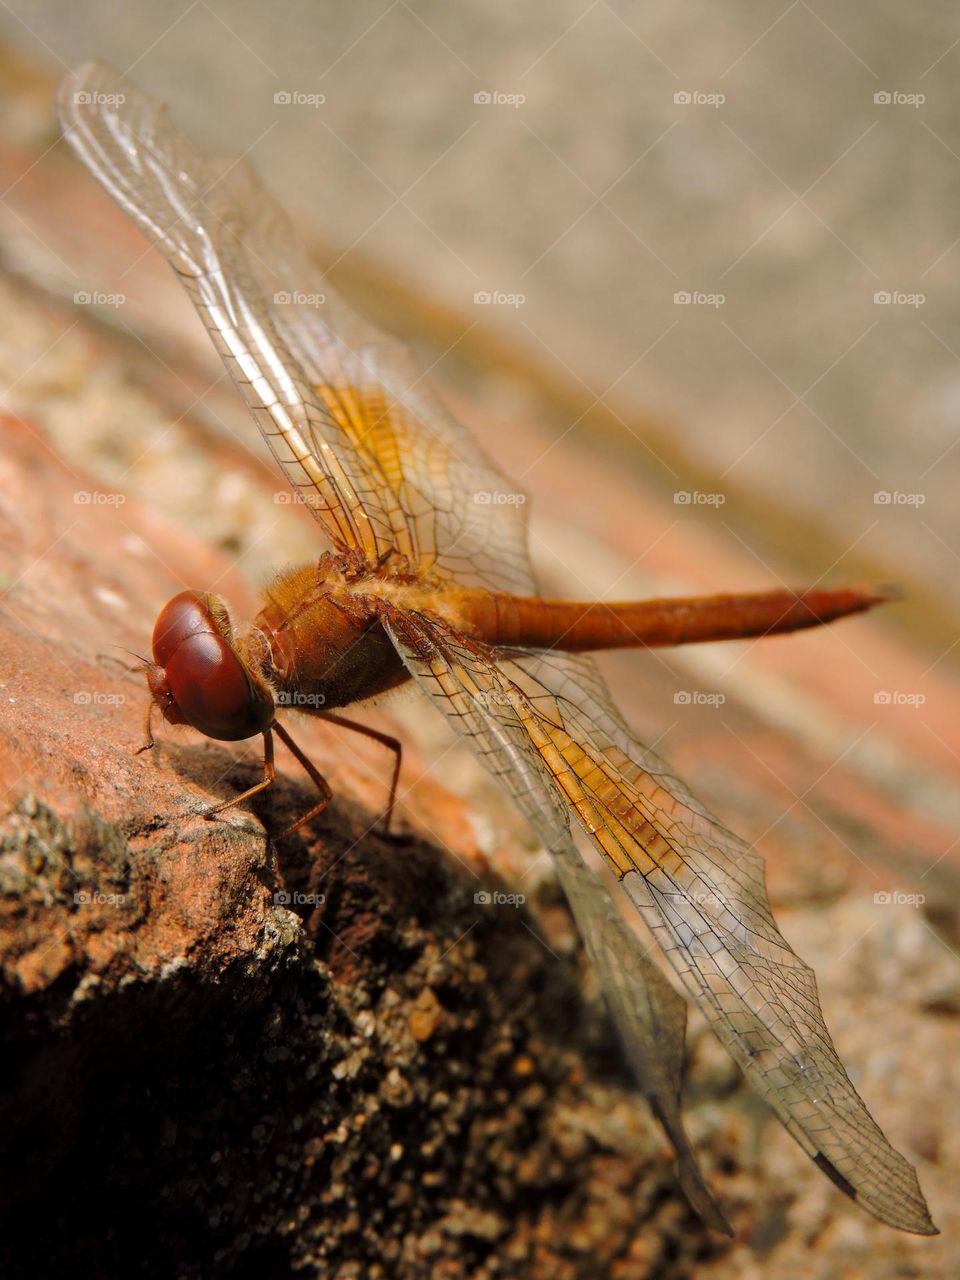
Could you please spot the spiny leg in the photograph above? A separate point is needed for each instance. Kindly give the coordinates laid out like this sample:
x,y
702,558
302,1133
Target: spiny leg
x,y
387,740
316,777
269,774
150,742
269,770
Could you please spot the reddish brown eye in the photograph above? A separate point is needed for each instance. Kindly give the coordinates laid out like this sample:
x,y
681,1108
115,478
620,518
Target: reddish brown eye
x,y
183,616
199,678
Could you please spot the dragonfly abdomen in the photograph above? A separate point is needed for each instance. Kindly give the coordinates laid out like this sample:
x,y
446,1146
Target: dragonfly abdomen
x,y
579,626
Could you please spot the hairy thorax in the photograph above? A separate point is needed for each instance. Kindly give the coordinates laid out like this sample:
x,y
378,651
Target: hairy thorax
x,y
319,639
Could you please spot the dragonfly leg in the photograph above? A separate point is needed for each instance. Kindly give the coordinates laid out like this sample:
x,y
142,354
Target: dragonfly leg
x,y
149,741
315,775
388,741
269,773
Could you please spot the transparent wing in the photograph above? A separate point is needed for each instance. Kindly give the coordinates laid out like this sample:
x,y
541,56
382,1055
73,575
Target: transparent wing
x,y
546,723
648,1013
384,468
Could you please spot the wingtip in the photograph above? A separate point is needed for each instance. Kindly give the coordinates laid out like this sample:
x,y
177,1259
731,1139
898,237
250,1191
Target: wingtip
x,y
925,1224
914,1217
89,72
919,1227
68,90
701,1197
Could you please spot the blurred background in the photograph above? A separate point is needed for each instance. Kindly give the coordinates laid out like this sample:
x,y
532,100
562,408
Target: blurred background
x,y
590,166
688,273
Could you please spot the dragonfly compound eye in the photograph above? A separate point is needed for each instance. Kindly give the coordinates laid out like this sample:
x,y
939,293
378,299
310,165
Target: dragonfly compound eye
x,y
197,676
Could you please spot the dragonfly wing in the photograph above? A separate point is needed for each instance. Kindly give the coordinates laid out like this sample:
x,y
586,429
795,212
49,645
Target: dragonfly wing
x,y
648,1013
383,467
701,890
698,886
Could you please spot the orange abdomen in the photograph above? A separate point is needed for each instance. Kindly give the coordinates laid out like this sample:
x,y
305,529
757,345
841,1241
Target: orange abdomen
x,y
577,626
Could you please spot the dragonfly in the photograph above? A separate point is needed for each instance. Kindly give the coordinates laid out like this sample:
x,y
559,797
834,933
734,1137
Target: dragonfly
x,y
425,576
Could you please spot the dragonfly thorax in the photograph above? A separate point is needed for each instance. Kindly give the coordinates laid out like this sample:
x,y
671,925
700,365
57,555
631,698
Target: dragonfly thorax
x,y
327,646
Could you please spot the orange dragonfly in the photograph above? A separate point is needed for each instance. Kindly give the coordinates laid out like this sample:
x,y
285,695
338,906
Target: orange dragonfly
x,y
428,579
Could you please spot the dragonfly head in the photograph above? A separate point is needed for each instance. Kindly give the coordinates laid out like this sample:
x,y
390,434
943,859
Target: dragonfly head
x,y
198,677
